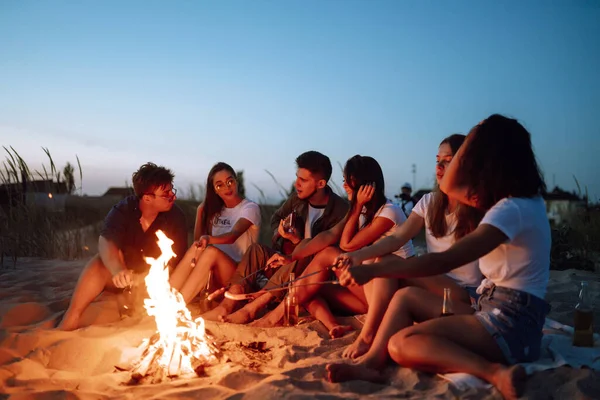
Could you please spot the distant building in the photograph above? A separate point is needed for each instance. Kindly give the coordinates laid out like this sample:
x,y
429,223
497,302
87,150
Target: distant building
x,y
560,204
121,192
42,193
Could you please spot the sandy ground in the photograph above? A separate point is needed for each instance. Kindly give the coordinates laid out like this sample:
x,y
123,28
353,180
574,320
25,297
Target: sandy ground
x,y
38,362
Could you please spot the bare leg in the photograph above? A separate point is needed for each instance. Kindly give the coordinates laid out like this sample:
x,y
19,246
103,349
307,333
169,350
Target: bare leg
x,y
436,285
181,273
378,293
243,279
226,307
319,309
222,265
249,311
408,305
456,344
93,280
304,293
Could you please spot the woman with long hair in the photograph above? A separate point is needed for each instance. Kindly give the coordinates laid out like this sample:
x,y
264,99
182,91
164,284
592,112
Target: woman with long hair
x,y
495,171
371,217
445,221
226,225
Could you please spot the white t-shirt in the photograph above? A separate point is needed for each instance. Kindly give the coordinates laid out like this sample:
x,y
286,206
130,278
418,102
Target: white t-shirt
x,y
394,213
314,213
523,262
467,275
227,220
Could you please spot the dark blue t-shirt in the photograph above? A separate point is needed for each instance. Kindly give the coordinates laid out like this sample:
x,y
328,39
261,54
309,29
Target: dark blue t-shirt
x,y
122,227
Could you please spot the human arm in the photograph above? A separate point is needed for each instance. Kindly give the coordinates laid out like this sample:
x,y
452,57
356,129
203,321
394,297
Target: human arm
x,y
475,245
279,214
402,234
354,238
113,261
327,238
198,231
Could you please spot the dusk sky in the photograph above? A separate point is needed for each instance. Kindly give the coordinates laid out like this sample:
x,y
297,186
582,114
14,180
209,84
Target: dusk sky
x,y
186,84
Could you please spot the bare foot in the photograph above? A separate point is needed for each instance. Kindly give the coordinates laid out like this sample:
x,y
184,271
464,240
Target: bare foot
x,y
357,349
510,381
357,372
68,322
241,316
268,321
339,331
215,314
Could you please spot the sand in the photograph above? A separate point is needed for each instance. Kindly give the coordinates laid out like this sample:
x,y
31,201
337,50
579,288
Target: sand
x,y
38,362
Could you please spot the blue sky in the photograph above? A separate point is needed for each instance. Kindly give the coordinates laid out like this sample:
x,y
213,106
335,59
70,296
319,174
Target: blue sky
x,y
255,83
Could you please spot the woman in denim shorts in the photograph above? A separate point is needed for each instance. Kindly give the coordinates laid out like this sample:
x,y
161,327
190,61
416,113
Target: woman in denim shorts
x,y
496,171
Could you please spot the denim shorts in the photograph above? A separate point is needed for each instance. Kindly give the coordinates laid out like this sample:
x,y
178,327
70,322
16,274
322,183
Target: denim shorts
x,y
472,291
515,320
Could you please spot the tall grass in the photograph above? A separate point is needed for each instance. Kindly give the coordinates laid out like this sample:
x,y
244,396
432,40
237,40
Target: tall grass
x,y
575,242
26,229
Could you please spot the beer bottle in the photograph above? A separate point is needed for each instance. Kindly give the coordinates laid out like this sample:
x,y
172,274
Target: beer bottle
x,y
583,319
447,309
291,306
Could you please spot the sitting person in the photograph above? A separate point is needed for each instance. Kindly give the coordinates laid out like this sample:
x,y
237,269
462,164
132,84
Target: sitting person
x,y
316,208
495,170
372,217
128,236
226,225
445,221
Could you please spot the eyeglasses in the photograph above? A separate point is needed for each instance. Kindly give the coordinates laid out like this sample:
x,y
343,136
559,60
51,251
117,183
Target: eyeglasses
x,y
221,186
172,193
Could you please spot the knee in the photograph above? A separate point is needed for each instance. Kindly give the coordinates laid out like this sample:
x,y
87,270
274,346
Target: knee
x,y
96,265
328,255
397,346
404,295
209,253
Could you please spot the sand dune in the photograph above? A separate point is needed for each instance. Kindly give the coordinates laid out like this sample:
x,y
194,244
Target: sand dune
x,y
38,362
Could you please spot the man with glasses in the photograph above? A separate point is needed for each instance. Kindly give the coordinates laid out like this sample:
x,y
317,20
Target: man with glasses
x,y
128,236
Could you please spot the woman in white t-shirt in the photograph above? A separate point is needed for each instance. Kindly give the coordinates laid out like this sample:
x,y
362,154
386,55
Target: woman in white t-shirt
x,y
445,221
496,171
371,217
226,225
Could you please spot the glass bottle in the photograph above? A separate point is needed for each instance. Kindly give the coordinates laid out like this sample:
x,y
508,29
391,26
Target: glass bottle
x,y
289,222
447,308
126,302
583,319
291,306
205,303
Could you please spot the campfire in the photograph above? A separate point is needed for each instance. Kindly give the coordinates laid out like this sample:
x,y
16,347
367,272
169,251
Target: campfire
x,y
180,347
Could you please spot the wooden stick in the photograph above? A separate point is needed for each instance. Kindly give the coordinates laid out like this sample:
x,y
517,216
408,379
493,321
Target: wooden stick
x,y
142,368
175,364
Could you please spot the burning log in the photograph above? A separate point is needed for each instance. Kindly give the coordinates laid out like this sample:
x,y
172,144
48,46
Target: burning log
x,y
180,347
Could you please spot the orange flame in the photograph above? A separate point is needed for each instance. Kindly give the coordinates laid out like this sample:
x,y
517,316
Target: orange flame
x,y
181,338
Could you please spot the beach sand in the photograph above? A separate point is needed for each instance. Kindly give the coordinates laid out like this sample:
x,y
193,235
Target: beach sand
x,y
38,362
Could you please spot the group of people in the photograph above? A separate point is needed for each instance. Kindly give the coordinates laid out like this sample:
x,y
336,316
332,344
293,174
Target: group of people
x,y
488,241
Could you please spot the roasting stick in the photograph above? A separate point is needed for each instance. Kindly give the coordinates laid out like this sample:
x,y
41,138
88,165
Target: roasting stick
x,y
283,286
222,290
250,296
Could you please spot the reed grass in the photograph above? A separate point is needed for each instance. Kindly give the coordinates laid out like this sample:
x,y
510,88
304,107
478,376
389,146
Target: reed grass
x,y
28,230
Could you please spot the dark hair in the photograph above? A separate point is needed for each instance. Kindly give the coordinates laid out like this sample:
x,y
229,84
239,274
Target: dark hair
x,y
362,170
498,161
467,218
213,203
317,163
150,177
